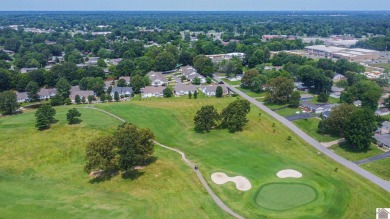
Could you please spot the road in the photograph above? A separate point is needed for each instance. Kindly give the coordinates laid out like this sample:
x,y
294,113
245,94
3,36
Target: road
x,y
374,158
350,165
216,199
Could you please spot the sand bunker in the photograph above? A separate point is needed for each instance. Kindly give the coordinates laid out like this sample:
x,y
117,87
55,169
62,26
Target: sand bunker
x,y
289,173
241,182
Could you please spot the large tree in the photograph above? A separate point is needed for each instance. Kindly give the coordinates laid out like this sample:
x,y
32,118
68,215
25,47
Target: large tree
x,y
63,88
359,129
165,61
8,102
234,115
44,116
137,82
338,119
294,99
101,155
219,92
367,91
247,80
206,118
32,90
204,65
135,146
279,90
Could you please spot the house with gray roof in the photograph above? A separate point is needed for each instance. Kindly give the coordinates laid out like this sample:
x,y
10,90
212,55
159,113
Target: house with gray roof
x,y
27,70
210,90
152,91
190,73
22,97
182,89
157,78
122,91
126,78
45,94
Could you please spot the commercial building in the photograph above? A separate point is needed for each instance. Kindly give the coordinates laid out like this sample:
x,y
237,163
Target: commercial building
x,y
355,54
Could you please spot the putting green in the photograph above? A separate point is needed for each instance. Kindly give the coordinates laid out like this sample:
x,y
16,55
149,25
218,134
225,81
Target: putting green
x,y
285,196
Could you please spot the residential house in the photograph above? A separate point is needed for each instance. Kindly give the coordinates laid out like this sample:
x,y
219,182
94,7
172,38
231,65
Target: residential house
x,y
45,94
190,73
336,92
382,112
300,86
357,103
92,61
82,94
27,70
338,77
312,107
326,114
210,90
22,97
181,89
384,129
306,97
157,78
122,91
382,140
114,61
152,91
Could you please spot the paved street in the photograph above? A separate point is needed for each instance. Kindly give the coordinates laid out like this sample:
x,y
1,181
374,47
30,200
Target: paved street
x,y
352,166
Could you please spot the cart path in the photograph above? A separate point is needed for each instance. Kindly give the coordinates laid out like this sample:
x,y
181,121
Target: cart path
x,y
216,199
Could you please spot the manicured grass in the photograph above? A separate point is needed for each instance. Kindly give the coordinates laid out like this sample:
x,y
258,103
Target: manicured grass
x,y
285,196
379,168
343,150
41,176
273,106
310,126
288,111
251,93
231,82
257,153
331,100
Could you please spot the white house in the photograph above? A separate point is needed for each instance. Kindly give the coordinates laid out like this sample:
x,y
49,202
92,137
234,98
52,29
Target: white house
x,y
152,91
22,97
157,78
181,89
27,70
190,73
122,91
47,93
211,90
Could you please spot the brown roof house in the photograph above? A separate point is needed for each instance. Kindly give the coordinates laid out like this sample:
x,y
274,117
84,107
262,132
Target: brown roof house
x,y
152,91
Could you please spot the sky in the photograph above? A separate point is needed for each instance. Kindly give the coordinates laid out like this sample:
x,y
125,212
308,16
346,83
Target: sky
x,y
192,5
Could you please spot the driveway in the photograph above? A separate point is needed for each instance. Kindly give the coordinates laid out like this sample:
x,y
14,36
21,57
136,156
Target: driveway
x,y
348,164
374,158
300,116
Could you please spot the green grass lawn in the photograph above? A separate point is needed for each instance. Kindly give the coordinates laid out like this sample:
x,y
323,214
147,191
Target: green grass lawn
x,y
273,106
379,168
343,150
284,196
41,176
310,127
331,100
257,153
231,82
288,111
251,93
